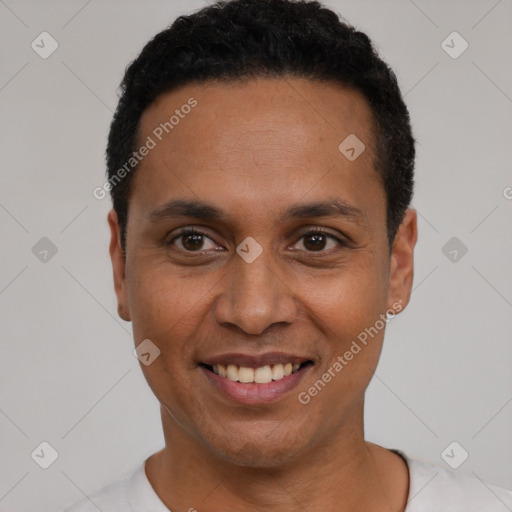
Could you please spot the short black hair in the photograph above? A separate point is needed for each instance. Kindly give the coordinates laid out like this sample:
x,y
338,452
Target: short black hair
x,y
237,40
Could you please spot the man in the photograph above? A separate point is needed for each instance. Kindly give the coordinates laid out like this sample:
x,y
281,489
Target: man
x,y
260,163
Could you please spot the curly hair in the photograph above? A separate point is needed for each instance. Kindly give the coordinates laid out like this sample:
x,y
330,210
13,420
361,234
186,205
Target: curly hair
x,y
237,40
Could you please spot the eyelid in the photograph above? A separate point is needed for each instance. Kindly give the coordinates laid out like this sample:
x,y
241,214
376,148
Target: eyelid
x,y
187,231
342,240
326,231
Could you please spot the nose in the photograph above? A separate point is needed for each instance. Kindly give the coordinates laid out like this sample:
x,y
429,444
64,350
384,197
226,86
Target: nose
x,y
255,296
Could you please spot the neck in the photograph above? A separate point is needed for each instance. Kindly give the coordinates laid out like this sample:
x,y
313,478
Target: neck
x,y
346,474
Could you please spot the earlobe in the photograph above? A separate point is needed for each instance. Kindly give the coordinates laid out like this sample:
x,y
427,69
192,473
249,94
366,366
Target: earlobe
x,y
402,261
118,265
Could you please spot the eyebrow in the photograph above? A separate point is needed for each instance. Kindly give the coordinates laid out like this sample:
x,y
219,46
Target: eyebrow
x,y
334,207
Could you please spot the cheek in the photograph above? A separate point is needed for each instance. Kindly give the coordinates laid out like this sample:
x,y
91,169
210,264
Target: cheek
x,y
165,304
348,308
159,313
347,301
350,316
167,310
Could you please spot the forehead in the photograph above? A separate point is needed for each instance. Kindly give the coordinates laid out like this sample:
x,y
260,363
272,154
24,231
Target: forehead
x,y
273,138
255,108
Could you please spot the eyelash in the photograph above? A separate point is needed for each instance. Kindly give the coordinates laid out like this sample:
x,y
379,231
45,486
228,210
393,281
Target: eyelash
x,y
312,231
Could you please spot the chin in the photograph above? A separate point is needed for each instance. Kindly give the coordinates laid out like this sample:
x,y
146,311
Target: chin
x,y
258,452
254,456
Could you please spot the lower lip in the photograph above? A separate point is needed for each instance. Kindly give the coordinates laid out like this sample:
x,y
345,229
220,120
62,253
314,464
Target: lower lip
x,y
253,393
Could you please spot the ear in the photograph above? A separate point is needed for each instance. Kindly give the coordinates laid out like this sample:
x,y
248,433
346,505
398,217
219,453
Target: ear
x,y
118,265
402,261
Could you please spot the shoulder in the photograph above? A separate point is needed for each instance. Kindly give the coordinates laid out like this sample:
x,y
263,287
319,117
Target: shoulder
x,y
436,488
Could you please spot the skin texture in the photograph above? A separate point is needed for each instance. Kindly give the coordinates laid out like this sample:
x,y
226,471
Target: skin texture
x,y
254,149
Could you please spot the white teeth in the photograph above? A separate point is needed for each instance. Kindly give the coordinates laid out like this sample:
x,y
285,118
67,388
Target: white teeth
x,y
232,372
245,374
277,372
260,375
221,370
263,375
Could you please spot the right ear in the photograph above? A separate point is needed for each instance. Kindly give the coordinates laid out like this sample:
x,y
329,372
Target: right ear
x,y
118,265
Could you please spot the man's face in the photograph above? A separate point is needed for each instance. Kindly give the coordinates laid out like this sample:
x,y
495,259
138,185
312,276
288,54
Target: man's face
x,y
261,153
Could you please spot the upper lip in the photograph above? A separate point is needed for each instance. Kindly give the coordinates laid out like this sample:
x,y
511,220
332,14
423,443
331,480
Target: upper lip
x,y
255,361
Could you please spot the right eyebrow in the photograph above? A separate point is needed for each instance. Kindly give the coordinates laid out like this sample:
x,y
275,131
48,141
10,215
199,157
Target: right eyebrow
x,y
186,208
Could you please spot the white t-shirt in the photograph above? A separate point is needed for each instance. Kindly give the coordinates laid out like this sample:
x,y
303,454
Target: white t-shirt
x,y
431,489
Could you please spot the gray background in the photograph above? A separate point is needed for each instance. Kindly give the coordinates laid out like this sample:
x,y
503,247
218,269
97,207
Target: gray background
x,y
68,374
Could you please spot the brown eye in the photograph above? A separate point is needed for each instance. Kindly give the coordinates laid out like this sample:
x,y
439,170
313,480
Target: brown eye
x,y
318,241
315,241
192,240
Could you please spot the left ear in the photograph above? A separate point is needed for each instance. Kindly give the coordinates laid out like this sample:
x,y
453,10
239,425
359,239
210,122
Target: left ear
x,y
402,261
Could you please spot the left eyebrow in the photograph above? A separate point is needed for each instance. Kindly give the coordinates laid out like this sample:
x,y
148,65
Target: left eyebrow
x,y
201,210
331,208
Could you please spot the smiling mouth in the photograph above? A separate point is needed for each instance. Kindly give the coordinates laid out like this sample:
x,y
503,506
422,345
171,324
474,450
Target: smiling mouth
x,y
260,375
